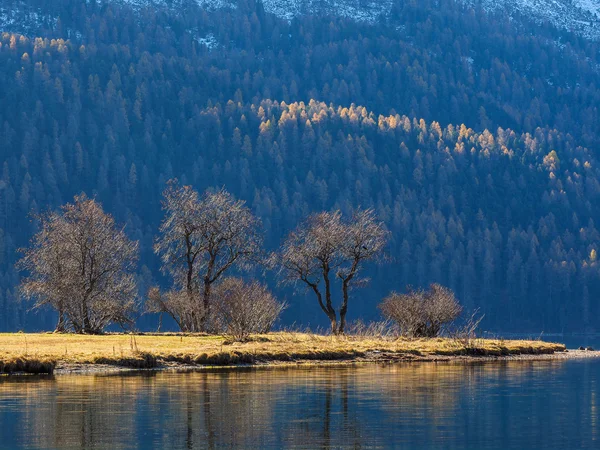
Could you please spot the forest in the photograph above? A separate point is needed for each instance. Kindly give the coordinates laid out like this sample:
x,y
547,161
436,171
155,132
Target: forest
x,y
474,138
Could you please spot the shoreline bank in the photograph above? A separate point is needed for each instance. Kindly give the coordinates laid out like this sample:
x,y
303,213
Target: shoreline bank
x,y
22,353
63,369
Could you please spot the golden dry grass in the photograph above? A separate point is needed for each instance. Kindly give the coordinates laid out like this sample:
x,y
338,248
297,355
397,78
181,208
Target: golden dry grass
x,y
37,352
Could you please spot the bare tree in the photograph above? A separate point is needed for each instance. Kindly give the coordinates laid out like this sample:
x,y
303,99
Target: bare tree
x,y
201,239
323,245
421,313
231,236
245,308
180,247
83,265
310,254
363,240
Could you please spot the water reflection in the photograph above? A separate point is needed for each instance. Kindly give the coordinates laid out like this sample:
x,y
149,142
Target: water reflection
x,y
551,404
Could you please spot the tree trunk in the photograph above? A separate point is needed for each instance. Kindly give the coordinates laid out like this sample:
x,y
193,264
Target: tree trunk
x,y
344,308
208,280
334,328
160,323
206,305
87,327
195,320
329,308
61,325
342,326
191,322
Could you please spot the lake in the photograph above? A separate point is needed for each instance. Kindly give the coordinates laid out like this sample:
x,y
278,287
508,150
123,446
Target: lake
x,y
479,405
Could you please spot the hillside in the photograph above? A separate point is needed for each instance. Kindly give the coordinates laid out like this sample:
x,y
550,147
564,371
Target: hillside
x,y
476,143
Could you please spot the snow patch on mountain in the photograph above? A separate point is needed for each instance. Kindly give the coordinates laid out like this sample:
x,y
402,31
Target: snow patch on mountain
x,y
579,16
592,6
24,19
175,5
359,10
209,41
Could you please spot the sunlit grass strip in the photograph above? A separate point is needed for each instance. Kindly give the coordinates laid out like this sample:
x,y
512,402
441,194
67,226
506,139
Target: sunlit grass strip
x,y
41,353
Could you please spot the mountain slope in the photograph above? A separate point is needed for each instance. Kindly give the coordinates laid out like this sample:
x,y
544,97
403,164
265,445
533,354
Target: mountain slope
x,y
503,209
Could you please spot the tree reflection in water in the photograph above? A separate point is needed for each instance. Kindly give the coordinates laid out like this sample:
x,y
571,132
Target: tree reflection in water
x,y
473,405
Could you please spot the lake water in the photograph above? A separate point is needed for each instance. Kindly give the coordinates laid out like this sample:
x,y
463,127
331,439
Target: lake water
x,y
491,405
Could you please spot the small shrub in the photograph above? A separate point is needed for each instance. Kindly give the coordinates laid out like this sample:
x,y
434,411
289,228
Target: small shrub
x,y
245,308
177,304
421,313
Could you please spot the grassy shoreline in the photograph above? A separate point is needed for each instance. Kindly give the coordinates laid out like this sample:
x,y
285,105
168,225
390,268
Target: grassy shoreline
x,y
44,353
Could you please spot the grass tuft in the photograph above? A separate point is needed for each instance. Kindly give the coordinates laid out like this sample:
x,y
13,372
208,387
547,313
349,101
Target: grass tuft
x,y
25,365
